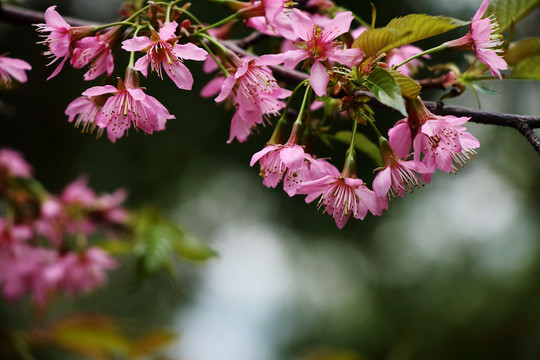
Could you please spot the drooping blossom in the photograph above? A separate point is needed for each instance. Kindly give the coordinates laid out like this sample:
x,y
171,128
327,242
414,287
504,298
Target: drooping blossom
x,y
343,194
484,40
441,140
287,162
164,52
255,94
11,68
317,47
343,197
83,271
60,38
96,51
85,110
12,163
129,106
397,176
275,19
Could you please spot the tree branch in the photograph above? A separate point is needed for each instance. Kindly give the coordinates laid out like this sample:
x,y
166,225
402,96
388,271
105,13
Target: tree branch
x,y
524,124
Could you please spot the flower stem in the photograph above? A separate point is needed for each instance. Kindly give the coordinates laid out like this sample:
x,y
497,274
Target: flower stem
x,y
374,127
121,23
303,106
426,52
213,41
219,23
349,168
298,87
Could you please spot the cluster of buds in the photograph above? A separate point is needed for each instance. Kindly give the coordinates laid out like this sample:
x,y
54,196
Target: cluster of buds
x,y
46,242
341,70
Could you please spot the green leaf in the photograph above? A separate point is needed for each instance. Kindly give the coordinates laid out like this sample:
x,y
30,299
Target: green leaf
x,y
92,336
150,342
408,87
191,248
528,69
510,12
153,251
363,144
385,88
404,30
522,50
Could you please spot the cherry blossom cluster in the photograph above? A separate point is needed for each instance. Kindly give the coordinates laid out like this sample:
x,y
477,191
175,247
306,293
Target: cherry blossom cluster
x,y
46,244
316,37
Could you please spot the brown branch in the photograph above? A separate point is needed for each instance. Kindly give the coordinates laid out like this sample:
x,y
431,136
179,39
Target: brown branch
x,y
524,124
19,16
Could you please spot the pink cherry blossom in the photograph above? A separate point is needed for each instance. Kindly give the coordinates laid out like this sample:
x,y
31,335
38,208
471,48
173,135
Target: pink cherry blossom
x,y
108,207
398,55
321,5
83,272
27,272
255,94
12,163
85,110
78,193
483,39
444,142
318,47
60,38
343,197
12,68
275,21
129,106
441,140
398,176
282,162
163,51
96,50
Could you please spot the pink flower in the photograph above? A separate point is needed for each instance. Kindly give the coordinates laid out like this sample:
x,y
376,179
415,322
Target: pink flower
x,y
12,68
85,110
85,271
162,50
108,207
129,106
443,141
78,193
343,197
282,162
255,94
440,139
96,50
275,21
60,38
27,271
398,55
13,163
318,47
484,41
321,5
398,175
11,236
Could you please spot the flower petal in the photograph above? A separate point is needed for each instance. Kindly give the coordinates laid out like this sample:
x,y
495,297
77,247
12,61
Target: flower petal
x,y
318,78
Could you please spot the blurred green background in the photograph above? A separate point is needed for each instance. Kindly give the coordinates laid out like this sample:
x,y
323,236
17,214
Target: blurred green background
x,y
449,272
